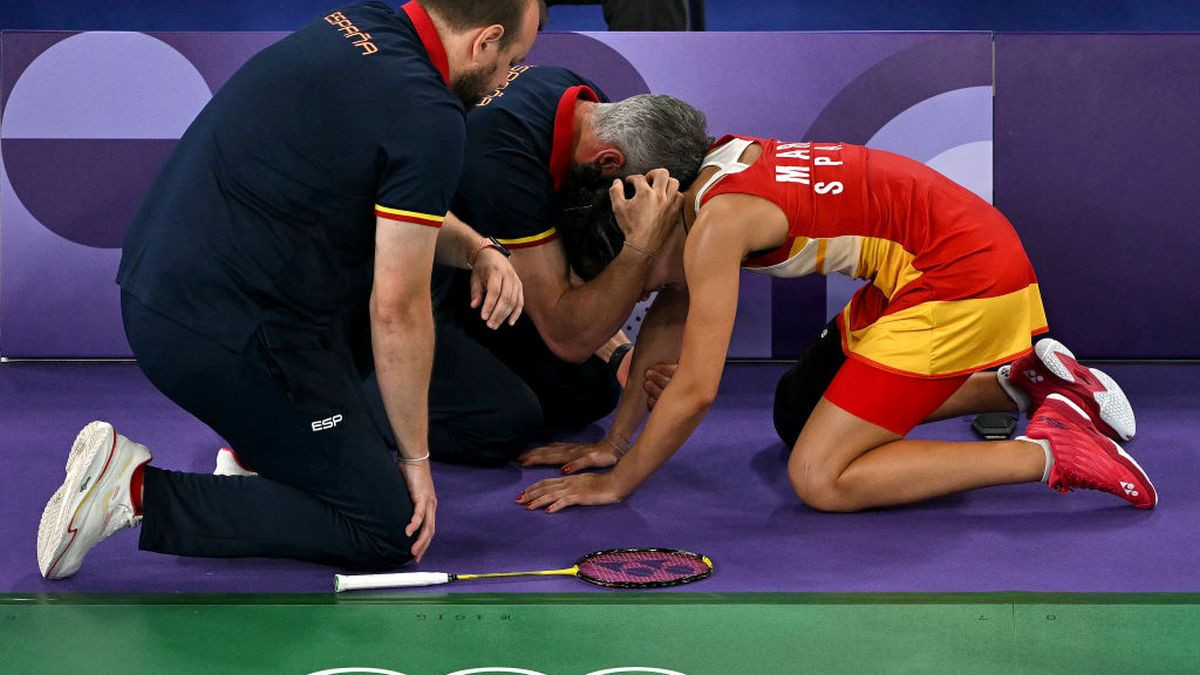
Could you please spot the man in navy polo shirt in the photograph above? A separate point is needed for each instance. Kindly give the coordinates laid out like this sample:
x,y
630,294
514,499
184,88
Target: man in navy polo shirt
x,y
546,134
303,206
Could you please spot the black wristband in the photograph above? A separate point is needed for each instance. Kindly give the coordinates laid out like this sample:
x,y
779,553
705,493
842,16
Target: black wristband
x,y
618,355
500,247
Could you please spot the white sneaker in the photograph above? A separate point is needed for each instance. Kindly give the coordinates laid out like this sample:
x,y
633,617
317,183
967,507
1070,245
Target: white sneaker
x,y
93,503
229,464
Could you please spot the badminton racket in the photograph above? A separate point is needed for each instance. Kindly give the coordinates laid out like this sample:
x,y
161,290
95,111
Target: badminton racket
x,y
614,568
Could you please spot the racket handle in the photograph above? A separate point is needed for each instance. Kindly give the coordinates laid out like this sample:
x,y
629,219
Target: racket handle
x,y
358,582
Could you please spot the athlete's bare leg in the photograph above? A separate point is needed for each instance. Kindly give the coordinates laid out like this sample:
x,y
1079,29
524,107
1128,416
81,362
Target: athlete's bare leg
x,y
981,393
844,463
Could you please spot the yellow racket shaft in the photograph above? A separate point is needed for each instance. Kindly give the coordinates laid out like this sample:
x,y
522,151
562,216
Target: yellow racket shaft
x,y
568,572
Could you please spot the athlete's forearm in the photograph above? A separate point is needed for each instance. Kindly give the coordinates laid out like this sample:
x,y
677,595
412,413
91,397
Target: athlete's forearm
x,y
658,342
456,242
584,317
402,342
675,417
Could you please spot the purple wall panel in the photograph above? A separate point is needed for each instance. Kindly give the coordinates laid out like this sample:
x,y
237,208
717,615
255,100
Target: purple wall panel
x,y
89,117
1097,164
88,120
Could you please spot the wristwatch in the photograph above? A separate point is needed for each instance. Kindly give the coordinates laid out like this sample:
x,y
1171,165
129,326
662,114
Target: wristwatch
x,y
490,242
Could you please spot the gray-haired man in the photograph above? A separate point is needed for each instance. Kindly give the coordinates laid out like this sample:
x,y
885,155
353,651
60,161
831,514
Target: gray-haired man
x,y
541,136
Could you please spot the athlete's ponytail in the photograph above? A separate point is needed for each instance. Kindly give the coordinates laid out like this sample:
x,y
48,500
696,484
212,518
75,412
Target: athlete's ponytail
x,y
590,234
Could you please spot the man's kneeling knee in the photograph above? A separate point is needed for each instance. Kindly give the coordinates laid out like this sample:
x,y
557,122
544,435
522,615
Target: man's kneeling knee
x,y
384,551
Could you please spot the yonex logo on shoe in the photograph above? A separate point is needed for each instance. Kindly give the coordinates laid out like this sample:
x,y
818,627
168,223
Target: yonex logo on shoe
x,y
1034,376
1130,489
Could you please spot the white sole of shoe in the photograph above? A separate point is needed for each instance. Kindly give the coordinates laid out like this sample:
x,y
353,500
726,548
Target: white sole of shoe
x,y
1113,404
88,464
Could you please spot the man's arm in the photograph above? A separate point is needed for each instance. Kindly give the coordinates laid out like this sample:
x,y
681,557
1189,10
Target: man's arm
x,y
402,342
456,241
576,320
496,287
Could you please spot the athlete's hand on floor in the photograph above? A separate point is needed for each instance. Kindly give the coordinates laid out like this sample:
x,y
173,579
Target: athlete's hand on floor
x,y
573,456
648,219
656,380
419,479
555,494
496,287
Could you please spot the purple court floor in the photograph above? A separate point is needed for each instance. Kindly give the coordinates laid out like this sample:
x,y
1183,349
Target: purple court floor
x,y
725,494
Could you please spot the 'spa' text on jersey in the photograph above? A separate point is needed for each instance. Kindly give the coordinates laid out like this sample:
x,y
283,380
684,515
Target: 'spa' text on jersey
x,y
802,173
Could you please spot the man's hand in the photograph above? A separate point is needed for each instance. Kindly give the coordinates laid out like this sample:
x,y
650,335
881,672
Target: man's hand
x,y
420,488
573,456
496,287
555,494
657,379
647,219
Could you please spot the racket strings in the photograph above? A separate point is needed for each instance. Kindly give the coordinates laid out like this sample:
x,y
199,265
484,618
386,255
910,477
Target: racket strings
x,y
643,568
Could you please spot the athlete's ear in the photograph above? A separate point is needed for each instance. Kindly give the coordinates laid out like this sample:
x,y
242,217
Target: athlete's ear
x,y
487,38
611,161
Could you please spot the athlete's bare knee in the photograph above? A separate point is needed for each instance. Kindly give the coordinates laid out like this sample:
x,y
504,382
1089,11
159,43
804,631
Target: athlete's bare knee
x,y
823,496
815,485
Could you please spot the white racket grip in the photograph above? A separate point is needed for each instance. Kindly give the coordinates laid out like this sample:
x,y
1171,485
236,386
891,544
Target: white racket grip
x,y
358,582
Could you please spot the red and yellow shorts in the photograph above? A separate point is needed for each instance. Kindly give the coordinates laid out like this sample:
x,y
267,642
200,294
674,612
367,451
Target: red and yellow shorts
x,y
906,357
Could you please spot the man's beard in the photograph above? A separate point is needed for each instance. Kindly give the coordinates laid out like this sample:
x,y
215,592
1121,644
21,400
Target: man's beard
x,y
472,86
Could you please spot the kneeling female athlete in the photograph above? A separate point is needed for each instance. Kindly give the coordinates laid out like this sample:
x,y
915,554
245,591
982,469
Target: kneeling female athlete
x,y
951,293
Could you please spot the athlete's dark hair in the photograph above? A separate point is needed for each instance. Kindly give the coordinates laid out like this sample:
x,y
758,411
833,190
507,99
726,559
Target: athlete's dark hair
x,y
590,234
464,15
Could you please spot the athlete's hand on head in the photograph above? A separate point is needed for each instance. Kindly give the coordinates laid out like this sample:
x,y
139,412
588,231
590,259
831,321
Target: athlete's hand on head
x,y
647,219
573,456
496,288
656,380
419,479
555,494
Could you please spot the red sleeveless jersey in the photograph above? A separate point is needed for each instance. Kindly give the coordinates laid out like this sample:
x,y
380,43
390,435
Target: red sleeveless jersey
x,y
951,289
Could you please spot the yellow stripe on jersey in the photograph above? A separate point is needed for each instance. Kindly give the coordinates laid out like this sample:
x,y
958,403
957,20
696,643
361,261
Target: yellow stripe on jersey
x,y
400,214
888,262
524,242
940,338
798,245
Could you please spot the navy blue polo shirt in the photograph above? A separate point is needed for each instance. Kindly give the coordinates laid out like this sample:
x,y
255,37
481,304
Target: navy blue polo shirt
x,y
519,154
266,208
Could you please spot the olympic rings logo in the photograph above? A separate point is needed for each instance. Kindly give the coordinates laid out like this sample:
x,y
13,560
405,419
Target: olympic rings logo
x,y
499,670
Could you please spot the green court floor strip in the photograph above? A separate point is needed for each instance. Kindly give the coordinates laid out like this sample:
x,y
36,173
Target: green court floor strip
x,y
581,634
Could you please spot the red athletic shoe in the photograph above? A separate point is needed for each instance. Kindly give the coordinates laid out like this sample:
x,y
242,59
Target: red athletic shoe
x,y
1083,458
1052,368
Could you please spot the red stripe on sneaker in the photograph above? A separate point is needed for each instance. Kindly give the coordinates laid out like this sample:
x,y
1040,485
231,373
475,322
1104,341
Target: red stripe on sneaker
x,y
71,525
